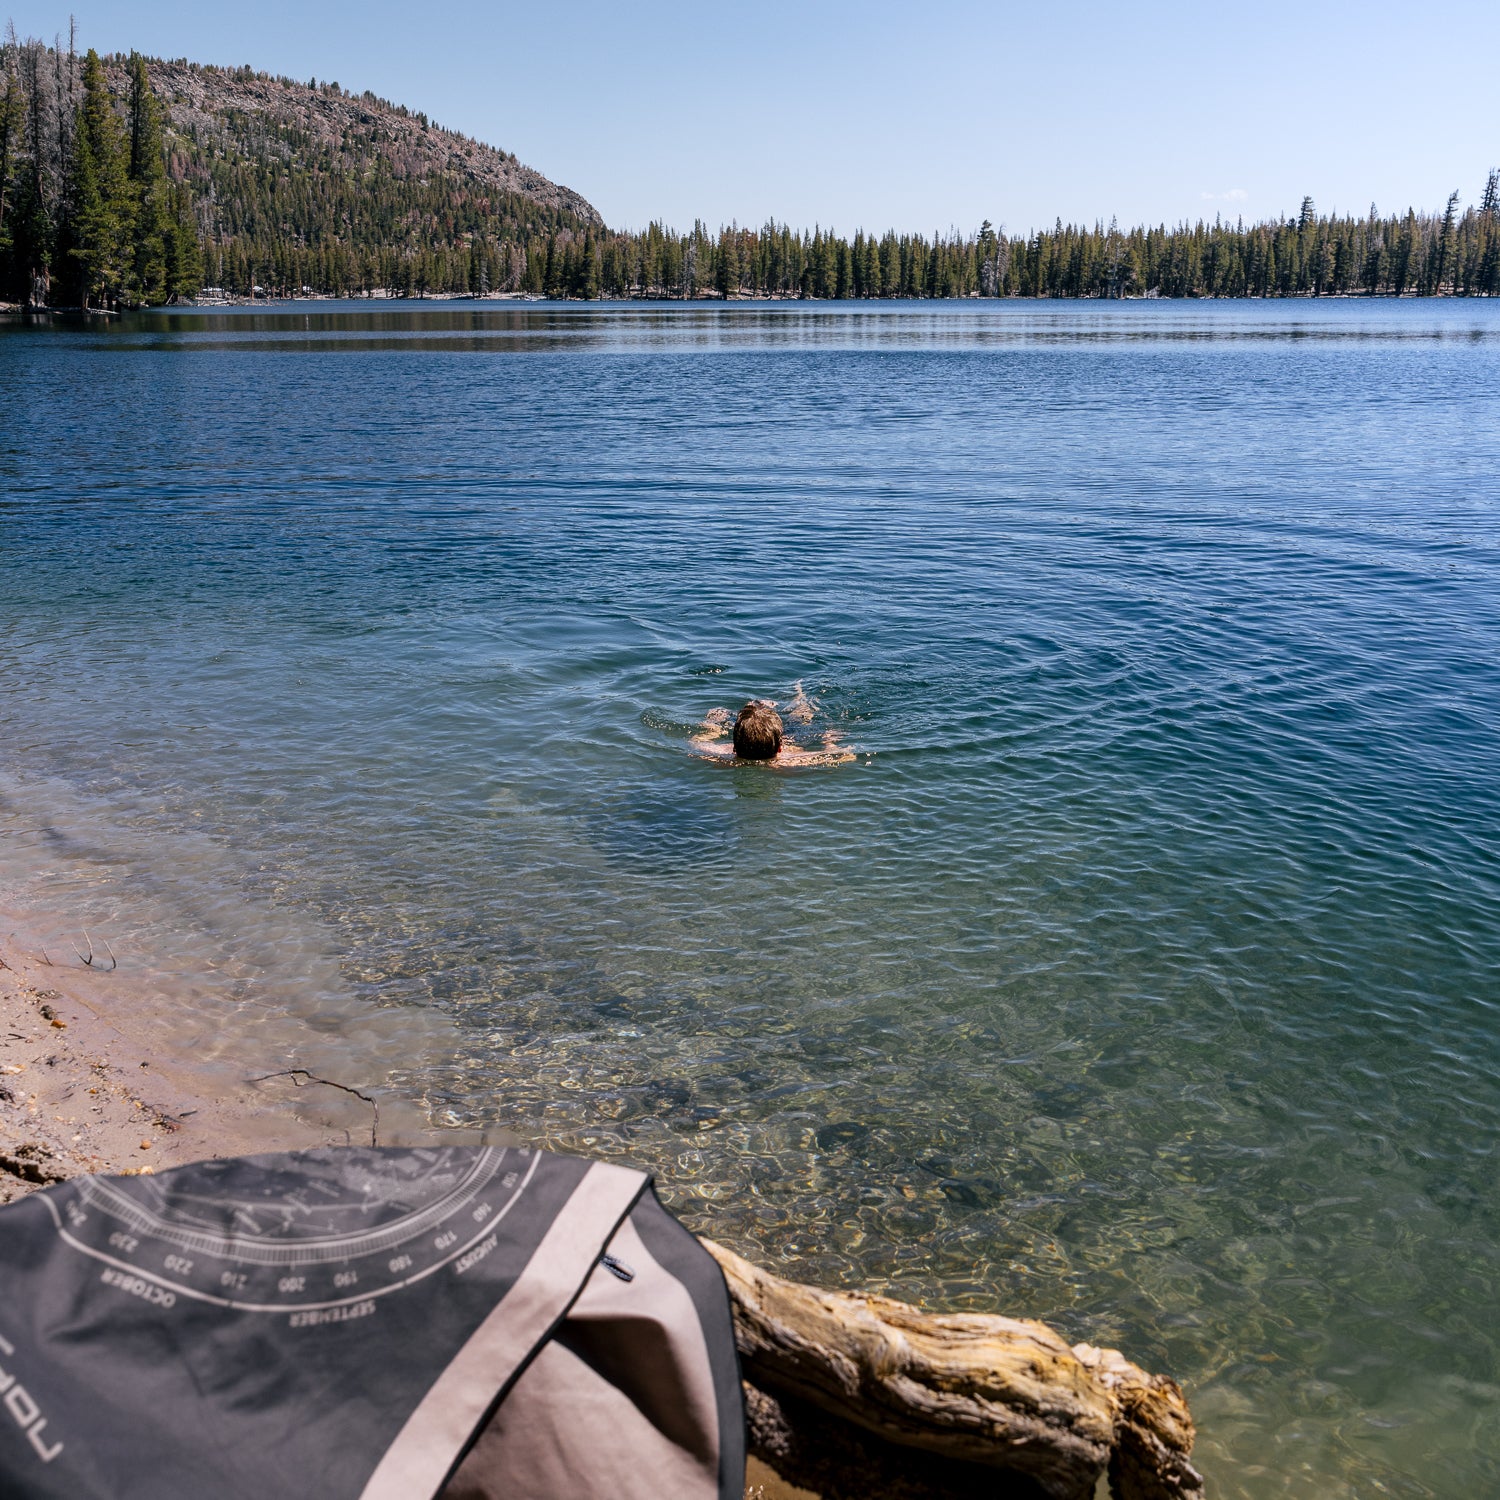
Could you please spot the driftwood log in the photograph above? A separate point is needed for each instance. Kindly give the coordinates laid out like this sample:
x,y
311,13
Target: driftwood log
x,y
864,1398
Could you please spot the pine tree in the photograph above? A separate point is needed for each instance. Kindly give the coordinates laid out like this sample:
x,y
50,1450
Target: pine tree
x,y
826,269
843,285
988,251
100,219
1444,262
533,275
152,218
31,224
589,269
727,266
1487,277
867,269
11,117
184,250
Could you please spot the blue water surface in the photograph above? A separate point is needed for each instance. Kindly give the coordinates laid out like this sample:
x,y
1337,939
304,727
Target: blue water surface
x,y
1138,975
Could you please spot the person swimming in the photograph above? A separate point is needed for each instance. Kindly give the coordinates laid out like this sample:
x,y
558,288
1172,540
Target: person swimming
x,y
757,734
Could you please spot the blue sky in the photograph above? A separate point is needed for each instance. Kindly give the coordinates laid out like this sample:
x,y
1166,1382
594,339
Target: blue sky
x,y
920,115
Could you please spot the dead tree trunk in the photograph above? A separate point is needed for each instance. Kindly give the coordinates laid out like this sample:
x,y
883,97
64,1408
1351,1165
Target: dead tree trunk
x,y
861,1396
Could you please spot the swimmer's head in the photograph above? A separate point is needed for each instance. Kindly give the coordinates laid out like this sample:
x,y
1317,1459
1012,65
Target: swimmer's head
x,y
757,732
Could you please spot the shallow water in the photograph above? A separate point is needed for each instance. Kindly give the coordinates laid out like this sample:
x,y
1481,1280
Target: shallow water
x,y
1140,974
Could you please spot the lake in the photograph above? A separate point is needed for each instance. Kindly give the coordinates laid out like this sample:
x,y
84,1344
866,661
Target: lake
x,y
1139,974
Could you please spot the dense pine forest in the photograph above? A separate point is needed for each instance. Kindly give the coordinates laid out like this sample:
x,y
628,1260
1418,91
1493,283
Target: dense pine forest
x,y
136,182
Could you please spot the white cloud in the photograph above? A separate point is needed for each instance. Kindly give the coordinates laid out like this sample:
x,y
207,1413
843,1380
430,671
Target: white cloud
x,y
1234,195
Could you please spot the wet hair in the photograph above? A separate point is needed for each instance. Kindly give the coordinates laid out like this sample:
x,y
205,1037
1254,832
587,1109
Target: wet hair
x,y
757,732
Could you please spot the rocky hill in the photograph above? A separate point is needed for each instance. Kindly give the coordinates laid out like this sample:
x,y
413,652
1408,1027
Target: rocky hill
x,y
291,188
235,112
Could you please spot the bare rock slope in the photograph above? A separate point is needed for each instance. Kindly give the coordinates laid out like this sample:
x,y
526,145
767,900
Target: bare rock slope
x,y
277,118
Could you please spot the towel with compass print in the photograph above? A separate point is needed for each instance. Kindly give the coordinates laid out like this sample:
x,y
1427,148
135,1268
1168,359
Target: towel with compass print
x,y
364,1324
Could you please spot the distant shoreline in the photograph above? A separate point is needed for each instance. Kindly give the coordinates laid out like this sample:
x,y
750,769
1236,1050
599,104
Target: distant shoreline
x,y
208,304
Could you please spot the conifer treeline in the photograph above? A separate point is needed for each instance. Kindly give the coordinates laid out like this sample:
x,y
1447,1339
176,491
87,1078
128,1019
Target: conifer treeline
x,y
102,203
88,213
1452,254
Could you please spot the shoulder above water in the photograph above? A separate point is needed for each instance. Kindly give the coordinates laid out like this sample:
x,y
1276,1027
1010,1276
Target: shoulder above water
x,y
788,758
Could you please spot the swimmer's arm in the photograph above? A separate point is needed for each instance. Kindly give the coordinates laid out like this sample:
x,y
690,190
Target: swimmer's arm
x,y
711,749
716,724
832,754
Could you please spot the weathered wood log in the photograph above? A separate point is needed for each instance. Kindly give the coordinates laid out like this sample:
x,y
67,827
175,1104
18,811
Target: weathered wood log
x,y
981,1396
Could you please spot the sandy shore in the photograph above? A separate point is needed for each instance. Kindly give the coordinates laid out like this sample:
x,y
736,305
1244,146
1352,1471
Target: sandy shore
x,y
82,1089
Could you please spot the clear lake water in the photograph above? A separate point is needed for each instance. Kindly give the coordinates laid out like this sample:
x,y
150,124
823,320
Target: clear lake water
x,y
1139,975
